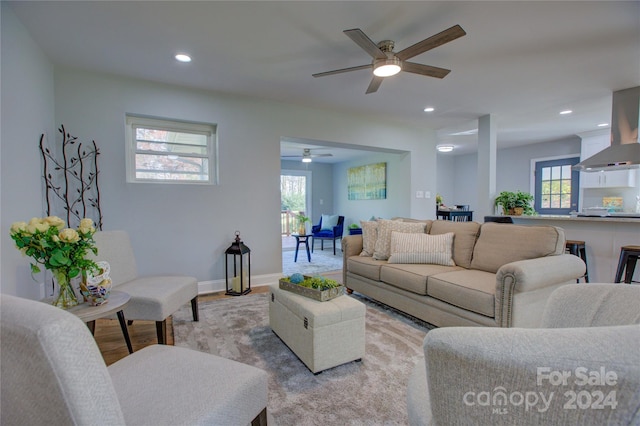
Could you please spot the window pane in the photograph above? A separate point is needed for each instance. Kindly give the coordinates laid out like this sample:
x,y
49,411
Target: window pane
x,y
555,187
546,173
555,201
157,135
555,172
565,201
545,202
546,187
163,167
171,148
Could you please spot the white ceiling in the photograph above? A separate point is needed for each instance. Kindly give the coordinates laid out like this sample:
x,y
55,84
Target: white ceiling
x,y
521,61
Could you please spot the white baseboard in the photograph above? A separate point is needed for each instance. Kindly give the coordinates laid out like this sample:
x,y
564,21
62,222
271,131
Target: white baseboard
x,y
213,286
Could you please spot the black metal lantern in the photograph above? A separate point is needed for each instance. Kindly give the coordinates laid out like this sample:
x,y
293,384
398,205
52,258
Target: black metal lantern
x,y
241,279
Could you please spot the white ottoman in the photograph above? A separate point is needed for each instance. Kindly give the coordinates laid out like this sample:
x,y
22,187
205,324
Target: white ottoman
x,y
321,334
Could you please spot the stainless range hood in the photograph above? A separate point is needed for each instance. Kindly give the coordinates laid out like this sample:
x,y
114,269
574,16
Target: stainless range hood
x,y
624,152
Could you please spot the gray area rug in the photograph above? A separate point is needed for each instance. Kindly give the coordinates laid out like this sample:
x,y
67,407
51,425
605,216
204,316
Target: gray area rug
x,y
371,392
321,261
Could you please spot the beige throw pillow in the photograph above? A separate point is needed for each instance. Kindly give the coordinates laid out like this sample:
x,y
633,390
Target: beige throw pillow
x,y
385,227
422,248
369,237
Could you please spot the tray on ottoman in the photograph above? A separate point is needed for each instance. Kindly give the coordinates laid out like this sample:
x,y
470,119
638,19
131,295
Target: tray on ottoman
x,y
320,295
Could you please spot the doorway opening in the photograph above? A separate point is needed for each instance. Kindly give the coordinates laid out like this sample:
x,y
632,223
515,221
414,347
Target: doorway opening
x,y
295,201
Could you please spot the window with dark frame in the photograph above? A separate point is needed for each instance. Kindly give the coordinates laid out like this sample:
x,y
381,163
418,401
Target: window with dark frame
x,y
556,186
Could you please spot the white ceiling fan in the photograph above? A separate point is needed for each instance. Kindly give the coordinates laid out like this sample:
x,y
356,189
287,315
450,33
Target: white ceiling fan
x,y
307,156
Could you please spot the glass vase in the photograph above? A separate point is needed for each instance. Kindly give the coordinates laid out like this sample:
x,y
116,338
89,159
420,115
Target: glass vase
x,y
67,296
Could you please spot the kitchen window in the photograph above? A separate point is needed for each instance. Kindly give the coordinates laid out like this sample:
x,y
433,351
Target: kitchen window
x,y
170,151
557,186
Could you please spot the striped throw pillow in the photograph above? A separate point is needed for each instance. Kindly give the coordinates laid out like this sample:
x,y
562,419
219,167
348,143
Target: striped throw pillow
x,y
422,248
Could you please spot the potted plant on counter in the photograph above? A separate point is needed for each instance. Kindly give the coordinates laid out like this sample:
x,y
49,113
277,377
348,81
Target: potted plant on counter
x,y
523,204
515,203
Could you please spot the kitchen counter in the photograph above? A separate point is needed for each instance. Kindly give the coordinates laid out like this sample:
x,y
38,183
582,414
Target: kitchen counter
x,y
603,237
609,219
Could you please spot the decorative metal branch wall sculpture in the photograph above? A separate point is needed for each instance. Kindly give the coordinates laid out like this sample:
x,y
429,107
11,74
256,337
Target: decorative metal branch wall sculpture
x,y
72,189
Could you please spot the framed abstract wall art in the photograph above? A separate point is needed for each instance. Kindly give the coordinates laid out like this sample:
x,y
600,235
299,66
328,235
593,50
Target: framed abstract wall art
x,y
367,182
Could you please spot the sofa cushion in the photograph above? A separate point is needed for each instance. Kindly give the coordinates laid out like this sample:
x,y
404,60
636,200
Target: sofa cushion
x,y
411,277
365,266
383,243
369,237
466,234
421,248
468,289
498,244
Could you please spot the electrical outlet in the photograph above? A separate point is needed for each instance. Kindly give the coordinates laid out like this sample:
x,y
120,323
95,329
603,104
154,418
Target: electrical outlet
x,y
427,194
419,194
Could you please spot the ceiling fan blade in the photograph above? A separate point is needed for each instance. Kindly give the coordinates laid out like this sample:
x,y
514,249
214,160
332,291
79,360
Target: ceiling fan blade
x,y
375,84
427,70
432,42
365,43
321,155
360,67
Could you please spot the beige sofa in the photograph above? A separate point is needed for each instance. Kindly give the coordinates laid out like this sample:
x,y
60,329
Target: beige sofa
x,y
503,273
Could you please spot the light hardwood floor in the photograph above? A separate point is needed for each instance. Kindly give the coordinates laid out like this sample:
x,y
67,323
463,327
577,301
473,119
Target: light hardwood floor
x,y
109,337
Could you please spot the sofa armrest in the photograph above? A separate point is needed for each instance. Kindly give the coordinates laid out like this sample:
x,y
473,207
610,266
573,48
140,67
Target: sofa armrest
x,y
531,282
592,305
534,376
351,246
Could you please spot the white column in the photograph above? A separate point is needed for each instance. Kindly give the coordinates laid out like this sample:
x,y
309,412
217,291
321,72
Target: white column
x,y
486,168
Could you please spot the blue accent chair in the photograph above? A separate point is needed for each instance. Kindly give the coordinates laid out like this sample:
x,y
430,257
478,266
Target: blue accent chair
x,y
324,234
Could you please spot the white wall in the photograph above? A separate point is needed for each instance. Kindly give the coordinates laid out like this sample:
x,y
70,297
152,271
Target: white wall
x,y
185,229
27,111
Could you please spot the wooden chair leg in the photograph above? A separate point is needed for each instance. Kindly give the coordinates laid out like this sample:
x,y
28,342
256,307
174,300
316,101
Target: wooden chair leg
x,y
194,308
92,326
161,331
261,419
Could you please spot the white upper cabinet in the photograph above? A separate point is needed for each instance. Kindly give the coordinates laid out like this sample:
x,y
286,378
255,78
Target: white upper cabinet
x,y
613,179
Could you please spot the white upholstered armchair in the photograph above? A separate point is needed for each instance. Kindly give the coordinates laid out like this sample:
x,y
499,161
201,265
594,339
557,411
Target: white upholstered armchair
x,y
52,373
581,367
153,298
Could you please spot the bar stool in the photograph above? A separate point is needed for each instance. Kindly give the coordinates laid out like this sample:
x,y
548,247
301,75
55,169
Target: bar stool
x,y
578,248
628,257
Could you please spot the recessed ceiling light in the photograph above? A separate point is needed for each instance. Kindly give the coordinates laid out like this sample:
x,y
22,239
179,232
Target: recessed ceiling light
x,y
429,109
444,148
181,57
565,112
603,124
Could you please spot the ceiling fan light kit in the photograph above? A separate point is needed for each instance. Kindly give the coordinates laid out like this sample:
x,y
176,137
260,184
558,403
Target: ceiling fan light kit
x,y
307,156
387,63
444,148
387,67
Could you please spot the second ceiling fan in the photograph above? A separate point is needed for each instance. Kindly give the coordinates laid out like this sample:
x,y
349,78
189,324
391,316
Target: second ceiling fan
x,y
386,62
